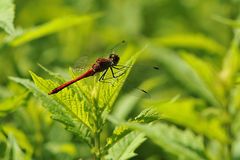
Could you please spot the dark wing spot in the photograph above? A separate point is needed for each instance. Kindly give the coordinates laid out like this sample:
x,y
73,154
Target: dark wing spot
x,y
156,67
145,92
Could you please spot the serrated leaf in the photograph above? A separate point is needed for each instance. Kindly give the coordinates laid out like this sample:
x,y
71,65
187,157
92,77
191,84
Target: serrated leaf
x,y
146,116
182,72
54,107
174,140
87,102
124,148
82,132
71,102
184,112
99,95
53,26
7,15
191,41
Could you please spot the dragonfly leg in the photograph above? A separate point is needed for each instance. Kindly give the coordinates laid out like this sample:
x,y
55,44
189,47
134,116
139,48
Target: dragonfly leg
x,y
103,75
120,67
112,72
103,79
117,75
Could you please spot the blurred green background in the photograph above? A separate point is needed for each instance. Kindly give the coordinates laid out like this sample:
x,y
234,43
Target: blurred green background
x,y
57,33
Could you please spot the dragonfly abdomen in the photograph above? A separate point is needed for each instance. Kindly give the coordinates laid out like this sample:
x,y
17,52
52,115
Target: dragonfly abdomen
x,y
88,73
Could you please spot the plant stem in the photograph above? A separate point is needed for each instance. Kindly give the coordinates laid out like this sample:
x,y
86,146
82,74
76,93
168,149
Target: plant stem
x,y
229,145
97,146
228,128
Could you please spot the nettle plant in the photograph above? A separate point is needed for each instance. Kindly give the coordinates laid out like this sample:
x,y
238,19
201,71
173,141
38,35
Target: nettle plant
x,y
208,109
84,109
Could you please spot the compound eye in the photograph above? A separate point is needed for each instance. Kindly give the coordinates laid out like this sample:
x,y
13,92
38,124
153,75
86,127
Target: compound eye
x,y
111,56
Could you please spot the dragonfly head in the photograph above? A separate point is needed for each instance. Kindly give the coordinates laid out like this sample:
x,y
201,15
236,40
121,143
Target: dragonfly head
x,y
115,58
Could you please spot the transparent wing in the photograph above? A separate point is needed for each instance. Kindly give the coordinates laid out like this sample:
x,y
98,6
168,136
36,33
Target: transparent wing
x,y
81,64
118,48
84,62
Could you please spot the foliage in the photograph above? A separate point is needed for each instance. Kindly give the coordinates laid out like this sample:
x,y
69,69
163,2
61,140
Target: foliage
x,y
7,16
174,140
85,114
186,109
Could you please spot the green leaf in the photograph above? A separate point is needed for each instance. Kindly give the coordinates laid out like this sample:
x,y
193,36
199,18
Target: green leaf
x,y
235,98
70,101
7,15
231,61
83,106
191,41
146,116
52,74
182,72
21,139
174,140
13,150
128,101
9,104
230,22
124,148
184,112
58,148
236,134
51,27
208,75
56,108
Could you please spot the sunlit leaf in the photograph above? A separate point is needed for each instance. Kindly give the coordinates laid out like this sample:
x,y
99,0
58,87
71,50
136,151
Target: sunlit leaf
x,y
56,108
21,139
230,22
7,15
231,61
72,103
235,98
13,150
51,27
236,147
207,73
146,116
127,102
174,140
83,106
125,147
182,72
9,104
191,41
59,148
184,112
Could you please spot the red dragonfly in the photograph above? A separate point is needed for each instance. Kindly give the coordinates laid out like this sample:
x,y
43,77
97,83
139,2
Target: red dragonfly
x,y
101,65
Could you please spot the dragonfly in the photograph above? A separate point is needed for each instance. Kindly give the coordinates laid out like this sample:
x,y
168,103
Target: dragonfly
x,y
101,65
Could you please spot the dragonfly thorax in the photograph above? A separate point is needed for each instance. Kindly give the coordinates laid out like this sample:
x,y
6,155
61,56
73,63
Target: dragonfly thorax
x,y
114,59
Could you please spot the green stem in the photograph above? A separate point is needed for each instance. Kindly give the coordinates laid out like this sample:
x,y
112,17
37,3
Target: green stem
x,y
228,128
97,146
229,145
